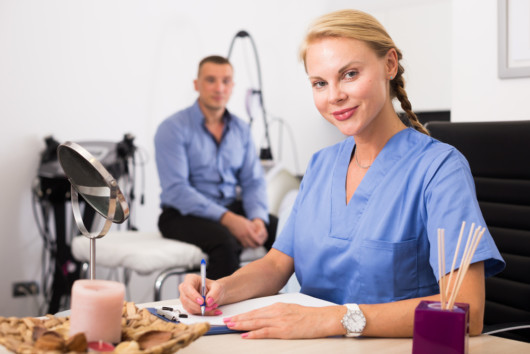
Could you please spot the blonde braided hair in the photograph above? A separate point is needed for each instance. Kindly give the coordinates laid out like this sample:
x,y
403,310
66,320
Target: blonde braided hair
x,y
362,26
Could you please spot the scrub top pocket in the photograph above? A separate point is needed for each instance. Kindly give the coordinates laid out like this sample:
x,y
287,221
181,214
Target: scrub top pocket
x,y
388,270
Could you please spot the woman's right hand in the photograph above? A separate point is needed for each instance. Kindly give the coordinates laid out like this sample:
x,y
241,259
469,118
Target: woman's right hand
x,y
191,298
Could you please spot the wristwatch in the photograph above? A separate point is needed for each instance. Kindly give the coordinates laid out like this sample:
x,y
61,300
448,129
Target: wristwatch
x,y
353,321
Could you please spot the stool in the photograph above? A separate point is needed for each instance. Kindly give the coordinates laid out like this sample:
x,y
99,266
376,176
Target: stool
x,y
145,253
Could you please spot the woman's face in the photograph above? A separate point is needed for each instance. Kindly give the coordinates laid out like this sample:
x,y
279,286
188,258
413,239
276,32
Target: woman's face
x,y
350,83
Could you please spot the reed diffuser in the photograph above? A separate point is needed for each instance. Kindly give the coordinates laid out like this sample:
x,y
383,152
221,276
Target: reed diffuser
x,y
442,327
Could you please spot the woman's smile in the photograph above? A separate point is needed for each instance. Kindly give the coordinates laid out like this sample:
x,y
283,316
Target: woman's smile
x,y
344,114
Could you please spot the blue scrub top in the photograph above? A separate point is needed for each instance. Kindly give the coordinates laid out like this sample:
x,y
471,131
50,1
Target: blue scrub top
x,y
382,245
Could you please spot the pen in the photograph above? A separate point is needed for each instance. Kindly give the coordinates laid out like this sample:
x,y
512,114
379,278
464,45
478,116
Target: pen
x,y
203,285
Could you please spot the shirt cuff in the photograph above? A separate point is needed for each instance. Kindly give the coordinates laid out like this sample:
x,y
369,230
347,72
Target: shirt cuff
x,y
214,211
259,214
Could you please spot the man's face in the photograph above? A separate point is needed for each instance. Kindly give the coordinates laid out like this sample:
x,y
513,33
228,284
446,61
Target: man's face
x,y
214,85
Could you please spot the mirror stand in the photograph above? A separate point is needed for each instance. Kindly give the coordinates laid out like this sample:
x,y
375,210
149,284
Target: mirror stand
x,y
108,219
98,188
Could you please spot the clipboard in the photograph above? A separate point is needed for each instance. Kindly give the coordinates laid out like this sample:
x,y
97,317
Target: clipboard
x,y
217,325
214,329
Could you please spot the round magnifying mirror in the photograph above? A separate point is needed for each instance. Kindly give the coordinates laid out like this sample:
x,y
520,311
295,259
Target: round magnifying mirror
x,y
90,179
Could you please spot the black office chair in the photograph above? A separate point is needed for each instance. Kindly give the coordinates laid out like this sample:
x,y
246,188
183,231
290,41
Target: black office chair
x,y
499,157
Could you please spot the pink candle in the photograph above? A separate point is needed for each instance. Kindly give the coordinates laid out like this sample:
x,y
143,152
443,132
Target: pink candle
x,y
97,310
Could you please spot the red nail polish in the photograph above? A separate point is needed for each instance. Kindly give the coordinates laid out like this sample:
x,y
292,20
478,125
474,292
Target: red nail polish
x,y
244,335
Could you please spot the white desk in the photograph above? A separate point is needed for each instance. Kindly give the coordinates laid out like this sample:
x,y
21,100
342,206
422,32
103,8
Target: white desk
x,y
234,344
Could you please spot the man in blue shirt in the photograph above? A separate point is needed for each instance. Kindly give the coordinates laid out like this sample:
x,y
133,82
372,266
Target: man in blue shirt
x,y
213,189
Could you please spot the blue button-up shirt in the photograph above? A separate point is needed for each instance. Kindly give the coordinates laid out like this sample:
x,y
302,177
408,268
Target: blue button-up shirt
x,y
199,176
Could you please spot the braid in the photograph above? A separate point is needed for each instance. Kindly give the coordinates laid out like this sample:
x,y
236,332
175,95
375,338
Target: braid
x,y
398,89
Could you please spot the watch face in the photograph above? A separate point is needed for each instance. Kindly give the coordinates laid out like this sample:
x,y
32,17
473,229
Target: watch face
x,y
354,321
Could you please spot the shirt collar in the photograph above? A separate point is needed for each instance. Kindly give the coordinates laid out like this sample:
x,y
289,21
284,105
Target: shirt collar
x,y
227,116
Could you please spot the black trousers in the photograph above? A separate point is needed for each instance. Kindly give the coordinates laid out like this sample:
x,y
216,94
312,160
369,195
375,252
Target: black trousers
x,y
223,248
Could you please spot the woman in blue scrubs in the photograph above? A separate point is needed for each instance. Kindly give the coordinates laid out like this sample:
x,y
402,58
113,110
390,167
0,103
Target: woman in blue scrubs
x,y
363,230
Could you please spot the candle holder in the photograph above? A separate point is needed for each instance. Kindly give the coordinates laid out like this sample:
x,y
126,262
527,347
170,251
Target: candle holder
x,y
440,331
89,178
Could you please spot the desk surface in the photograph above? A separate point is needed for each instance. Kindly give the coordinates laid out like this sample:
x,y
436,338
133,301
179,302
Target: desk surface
x,y
234,344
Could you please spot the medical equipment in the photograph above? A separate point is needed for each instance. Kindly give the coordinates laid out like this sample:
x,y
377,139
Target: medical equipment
x,y
265,151
51,194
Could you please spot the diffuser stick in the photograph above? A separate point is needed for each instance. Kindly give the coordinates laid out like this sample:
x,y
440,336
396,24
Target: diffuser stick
x,y
462,272
444,284
469,237
454,258
440,274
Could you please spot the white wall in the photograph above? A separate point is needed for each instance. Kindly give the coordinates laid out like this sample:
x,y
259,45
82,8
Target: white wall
x,y
477,92
94,70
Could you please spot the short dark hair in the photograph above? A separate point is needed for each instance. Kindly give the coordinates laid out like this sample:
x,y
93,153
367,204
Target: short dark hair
x,y
216,59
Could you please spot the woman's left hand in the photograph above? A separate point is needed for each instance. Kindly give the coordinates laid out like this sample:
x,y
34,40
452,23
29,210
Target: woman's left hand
x,y
289,321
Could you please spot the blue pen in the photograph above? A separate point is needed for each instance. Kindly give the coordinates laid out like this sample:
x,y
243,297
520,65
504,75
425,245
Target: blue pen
x,y
203,285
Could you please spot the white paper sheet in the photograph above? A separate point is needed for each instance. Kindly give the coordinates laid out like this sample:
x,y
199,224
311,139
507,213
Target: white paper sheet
x,y
252,304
